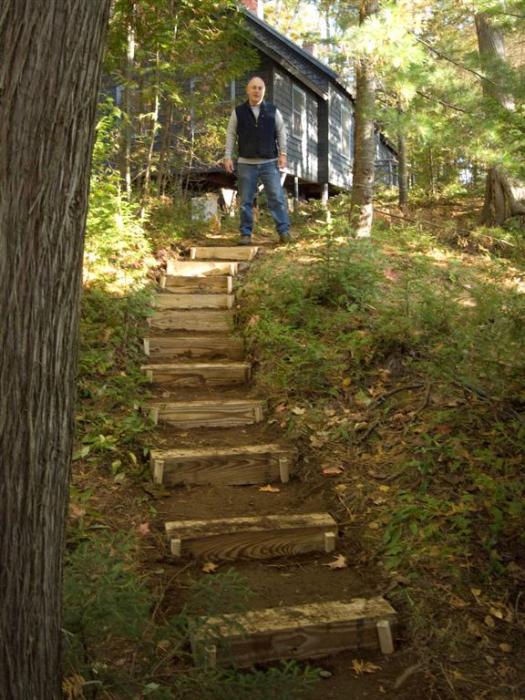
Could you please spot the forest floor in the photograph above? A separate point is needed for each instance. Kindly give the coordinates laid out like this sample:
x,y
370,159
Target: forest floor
x,y
396,368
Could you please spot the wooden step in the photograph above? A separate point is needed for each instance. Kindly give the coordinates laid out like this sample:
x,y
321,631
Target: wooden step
x,y
201,321
299,632
207,268
264,537
238,253
179,284
194,301
224,413
167,347
233,466
218,373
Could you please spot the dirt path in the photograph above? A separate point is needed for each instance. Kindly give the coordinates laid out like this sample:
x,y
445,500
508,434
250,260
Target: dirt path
x,y
221,460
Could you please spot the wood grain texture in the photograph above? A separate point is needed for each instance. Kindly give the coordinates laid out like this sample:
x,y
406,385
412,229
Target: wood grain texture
x,y
218,284
197,320
192,268
195,347
252,537
218,373
235,466
194,301
212,414
237,253
299,632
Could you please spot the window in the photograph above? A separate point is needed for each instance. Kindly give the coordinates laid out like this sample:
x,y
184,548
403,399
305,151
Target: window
x,y
346,131
298,111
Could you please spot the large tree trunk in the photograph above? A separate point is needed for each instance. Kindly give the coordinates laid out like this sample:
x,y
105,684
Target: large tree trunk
x,y
500,201
362,203
50,57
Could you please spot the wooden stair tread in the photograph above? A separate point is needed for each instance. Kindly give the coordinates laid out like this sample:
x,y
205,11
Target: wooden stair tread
x,y
194,301
211,284
215,413
238,253
297,632
267,537
218,372
234,466
191,268
196,319
194,346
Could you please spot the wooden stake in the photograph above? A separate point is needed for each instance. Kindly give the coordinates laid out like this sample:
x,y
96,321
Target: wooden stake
x,y
384,634
210,656
176,547
284,470
329,541
163,281
146,346
158,471
154,414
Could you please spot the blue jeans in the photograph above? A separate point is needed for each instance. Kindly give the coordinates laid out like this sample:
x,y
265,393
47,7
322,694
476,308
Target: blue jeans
x,y
268,173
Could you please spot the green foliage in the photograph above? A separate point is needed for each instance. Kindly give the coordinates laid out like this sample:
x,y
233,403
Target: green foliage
x,y
108,619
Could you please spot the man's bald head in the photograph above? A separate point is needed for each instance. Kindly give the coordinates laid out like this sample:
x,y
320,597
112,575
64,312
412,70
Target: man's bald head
x,y
255,90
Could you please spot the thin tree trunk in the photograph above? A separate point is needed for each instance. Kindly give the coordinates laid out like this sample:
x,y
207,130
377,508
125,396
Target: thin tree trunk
x,y
163,176
50,61
500,202
362,202
154,130
127,130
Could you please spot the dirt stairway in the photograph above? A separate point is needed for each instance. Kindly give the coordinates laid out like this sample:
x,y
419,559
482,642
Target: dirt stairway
x,y
213,435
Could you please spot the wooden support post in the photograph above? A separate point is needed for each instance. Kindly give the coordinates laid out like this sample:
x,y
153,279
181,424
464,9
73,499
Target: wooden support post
x,y
210,657
158,471
163,281
149,375
324,195
176,547
146,346
284,470
384,634
329,541
154,414
295,193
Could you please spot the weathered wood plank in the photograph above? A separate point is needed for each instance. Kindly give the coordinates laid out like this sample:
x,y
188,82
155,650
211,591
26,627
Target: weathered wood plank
x,y
194,301
300,632
259,464
181,284
223,253
203,347
251,537
217,414
196,320
219,373
192,268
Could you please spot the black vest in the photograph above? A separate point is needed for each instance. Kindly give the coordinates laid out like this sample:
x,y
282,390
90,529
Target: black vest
x,y
257,139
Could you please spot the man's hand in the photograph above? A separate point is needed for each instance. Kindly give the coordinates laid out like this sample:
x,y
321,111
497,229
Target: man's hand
x,y
228,165
282,162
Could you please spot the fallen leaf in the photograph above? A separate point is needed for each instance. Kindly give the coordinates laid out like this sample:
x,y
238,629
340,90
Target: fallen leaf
x,y
384,488
490,660
347,381
496,612
505,648
489,621
209,567
143,529
341,488
457,602
76,511
298,411
338,563
361,666
280,408
269,489
332,471
374,526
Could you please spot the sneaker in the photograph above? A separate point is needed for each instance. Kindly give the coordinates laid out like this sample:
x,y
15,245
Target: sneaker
x,y
285,238
245,240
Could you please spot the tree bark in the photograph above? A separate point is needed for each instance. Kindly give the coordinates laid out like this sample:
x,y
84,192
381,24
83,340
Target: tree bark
x,y
50,58
362,202
500,202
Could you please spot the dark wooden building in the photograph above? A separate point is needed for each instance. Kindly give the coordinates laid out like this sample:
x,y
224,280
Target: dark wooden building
x,y
318,110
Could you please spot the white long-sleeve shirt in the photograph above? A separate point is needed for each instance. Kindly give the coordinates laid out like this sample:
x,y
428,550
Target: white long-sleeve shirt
x,y
231,135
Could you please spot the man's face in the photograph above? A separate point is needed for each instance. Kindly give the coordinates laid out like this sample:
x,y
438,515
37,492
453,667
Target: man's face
x,y
255,91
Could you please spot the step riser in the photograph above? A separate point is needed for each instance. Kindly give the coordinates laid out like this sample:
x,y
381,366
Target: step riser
x,y
210,321
228,471
195,268
252,538
204,348
301,632
220,376
220,416
238,253
194,301
197,285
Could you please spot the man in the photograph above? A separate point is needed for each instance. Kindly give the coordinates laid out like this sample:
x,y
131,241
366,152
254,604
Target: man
x,y
259,129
